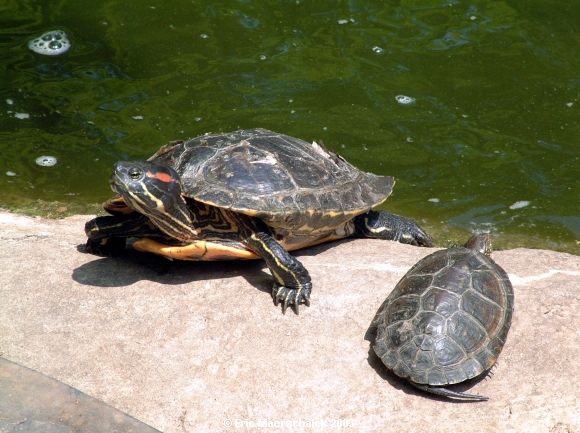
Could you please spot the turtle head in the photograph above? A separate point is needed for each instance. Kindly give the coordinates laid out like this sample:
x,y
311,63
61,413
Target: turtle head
x,y
480,242
144,184
155,191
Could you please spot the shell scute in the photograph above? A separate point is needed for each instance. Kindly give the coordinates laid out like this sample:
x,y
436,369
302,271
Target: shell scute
x,y
463,328
429,323
441,301
423,361
456,280
447,352
412,285
487,283
398,334
488,315
390,359
402,308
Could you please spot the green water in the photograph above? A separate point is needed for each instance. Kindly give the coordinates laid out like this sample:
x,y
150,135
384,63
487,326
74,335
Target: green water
x,y
496,118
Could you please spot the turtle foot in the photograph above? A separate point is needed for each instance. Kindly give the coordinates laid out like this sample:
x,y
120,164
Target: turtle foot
x,y
292,297
415,235
385,225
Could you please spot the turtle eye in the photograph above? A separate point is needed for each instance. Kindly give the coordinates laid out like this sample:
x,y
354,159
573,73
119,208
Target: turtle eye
x,y
134,173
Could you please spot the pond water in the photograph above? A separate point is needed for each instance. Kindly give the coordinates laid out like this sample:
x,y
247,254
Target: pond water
x,y
472,105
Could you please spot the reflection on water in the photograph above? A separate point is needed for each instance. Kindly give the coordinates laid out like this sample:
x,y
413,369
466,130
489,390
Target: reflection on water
x,y
472,107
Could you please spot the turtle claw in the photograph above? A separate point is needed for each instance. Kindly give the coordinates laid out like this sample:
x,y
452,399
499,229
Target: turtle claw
x,y
420,238
277,293
287,300
291,297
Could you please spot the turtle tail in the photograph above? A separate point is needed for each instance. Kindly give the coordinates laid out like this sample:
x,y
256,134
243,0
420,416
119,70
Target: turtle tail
x,y
438,390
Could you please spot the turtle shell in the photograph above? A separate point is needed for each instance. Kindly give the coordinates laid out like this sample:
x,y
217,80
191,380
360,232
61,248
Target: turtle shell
x,y
281,179
447,320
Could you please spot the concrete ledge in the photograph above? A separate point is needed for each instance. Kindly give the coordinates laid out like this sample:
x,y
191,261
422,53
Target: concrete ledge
x,y
199,347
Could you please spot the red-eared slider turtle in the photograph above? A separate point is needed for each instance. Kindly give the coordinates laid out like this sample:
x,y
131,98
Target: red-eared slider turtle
x,y
447,320
242,195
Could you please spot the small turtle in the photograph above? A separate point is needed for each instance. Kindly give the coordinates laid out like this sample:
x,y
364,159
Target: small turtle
x,y
244,195
447,320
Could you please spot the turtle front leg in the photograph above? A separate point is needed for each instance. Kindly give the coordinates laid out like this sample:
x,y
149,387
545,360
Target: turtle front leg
x,y
386,225
292,284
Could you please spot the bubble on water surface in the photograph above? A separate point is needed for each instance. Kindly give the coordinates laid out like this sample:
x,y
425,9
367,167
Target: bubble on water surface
x,y
204,36
22,116
9,101
378,50
250,22
46,161
262,57
10,173
434,200
52,43
404,100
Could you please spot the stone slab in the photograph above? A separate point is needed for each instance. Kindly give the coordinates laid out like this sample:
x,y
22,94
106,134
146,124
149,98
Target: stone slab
x,y
199,347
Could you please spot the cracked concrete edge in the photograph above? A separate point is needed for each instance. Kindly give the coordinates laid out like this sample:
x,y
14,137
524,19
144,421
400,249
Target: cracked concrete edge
x,y
31,402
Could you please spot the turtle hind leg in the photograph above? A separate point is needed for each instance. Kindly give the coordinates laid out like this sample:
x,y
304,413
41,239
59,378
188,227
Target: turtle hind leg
x,y
444,392
106,235
106,247
389,226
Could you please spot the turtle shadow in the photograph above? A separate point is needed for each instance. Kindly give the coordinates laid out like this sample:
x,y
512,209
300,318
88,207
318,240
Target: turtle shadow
x,y
403,385
314,250
133,266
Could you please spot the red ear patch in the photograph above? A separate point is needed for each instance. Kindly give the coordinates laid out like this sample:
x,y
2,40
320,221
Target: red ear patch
x,y
163,177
